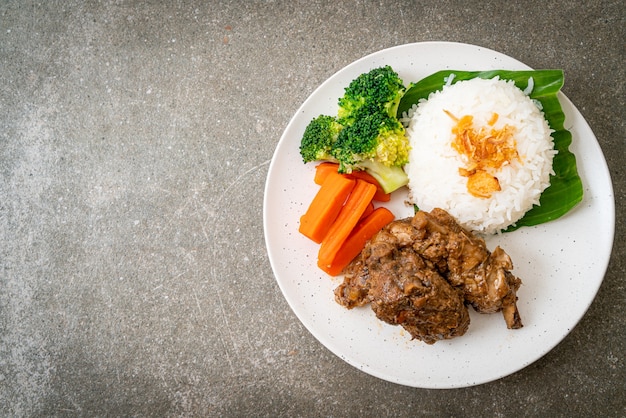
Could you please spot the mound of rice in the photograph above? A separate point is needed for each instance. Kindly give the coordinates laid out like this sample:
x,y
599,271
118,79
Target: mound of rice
x,y
433,169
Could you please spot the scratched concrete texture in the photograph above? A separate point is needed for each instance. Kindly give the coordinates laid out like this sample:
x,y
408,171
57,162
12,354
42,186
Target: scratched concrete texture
x,y
135,141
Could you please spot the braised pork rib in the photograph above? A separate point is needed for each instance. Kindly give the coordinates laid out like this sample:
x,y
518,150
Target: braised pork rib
x,y
421,272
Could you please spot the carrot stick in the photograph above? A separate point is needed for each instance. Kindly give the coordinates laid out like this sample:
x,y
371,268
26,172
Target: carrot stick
x,y
357,202
325,207
380,195
354,244
368,210
322,170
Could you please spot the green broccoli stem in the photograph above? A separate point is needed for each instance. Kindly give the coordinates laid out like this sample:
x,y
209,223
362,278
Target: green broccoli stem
x,y
390,178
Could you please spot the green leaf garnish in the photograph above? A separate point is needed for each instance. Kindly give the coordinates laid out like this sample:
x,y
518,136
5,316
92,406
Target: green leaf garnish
x,y
566,189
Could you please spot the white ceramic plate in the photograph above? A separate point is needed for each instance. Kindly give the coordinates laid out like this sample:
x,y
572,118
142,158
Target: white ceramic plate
x,y
561,263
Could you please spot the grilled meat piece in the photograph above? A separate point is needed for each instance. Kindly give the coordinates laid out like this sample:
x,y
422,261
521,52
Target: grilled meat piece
x,y
354,291
484,276
421,272
403,288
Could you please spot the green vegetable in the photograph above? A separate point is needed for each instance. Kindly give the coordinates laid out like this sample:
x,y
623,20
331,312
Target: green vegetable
x,y
378,90
565,190
319,137
365,134
376,143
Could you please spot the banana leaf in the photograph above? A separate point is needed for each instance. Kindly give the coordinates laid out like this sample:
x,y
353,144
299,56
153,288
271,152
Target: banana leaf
x,y
565,190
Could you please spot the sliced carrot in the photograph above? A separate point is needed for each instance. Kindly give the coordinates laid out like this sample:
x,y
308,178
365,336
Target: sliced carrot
x,y
326,206
354,244
322,170
380,195
368,210
360,197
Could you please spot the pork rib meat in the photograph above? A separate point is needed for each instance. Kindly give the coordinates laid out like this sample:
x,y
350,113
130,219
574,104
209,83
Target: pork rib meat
x,y
420,273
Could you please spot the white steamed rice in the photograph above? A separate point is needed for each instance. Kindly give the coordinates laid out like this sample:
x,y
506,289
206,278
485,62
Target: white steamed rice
x,y
433,169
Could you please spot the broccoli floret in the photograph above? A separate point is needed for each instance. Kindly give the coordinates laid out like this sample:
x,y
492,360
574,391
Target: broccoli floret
x,y
376,143
318,139
378,90
365,134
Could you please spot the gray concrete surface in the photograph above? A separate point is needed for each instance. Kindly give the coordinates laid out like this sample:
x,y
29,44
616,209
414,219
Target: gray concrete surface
x,y
135,142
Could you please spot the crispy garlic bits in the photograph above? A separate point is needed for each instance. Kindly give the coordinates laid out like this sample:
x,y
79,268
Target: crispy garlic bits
x,y
486,150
